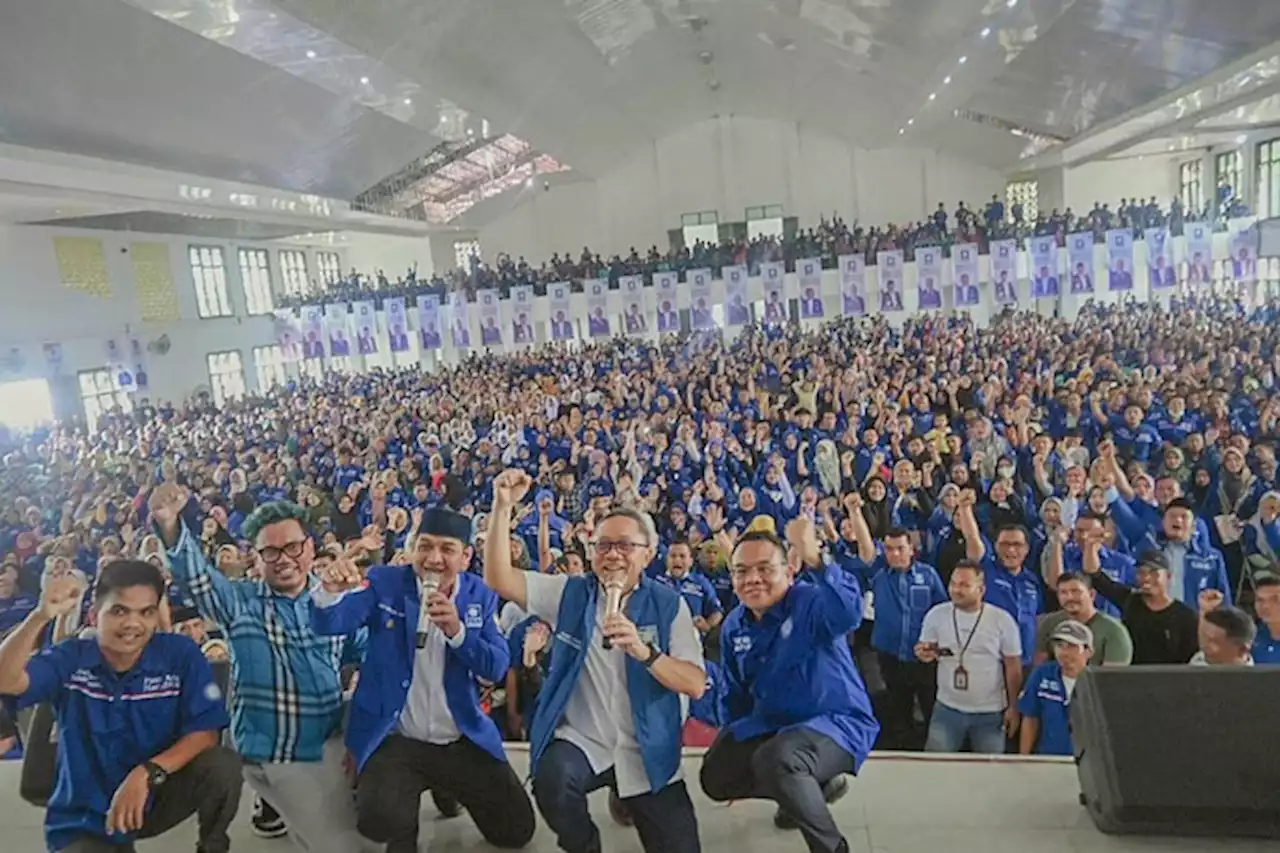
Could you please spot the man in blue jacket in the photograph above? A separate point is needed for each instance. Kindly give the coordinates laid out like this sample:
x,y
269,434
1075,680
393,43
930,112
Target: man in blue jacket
x,y
416,723
611,710
1194,565
796,711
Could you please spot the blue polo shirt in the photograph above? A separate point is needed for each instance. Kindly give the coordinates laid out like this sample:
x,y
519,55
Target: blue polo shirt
x,y
109,723
1045,698
1020,595
1266,648
696,591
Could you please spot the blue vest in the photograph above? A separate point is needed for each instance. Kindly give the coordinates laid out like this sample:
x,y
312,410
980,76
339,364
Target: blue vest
x,y
654,709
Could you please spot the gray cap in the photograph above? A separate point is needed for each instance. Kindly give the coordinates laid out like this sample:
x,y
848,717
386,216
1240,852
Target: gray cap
x,y
1073,632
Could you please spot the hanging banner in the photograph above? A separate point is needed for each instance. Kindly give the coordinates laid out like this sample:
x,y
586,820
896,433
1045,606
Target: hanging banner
x,y
459,321
1161,272
737,311
597,307
1080,257
773,277
1044,267
288,331
397,323
335,322
635,313
964,274
929,278
117,365
561,317
773,274
1120,259
666,283
700,316
312,331
1199,238
809,274
490,318
1004,271
521,306
366,327
53,357
429,321
1244,254
889,274
853,282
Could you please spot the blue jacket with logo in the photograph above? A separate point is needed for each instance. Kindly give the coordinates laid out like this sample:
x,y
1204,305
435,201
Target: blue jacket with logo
x,y
901,599
388,606
1020,595
696,590
1044,698
792,667
1203,567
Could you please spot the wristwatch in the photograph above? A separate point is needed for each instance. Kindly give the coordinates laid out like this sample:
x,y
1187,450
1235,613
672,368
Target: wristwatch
x,y
654,654
156,775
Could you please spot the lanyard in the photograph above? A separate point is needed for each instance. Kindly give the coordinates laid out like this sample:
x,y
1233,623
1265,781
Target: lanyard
x,y
955,625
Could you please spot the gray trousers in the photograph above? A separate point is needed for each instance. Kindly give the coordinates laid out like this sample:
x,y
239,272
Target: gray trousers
x,y
315,800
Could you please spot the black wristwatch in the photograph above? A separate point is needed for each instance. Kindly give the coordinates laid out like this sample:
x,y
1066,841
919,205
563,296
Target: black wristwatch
x,y
156,775
654,654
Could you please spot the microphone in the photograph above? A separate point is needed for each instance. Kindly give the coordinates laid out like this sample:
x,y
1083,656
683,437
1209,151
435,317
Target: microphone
x,y
612,601
430,584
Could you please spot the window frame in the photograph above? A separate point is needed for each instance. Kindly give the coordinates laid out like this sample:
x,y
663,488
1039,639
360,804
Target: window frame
x,y
295,276
272,371
209,281
1191,185
91,402
329,267
220,378
255,280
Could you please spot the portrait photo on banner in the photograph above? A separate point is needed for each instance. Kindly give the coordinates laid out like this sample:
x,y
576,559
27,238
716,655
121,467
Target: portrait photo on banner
x,y
1244,253
561,315
809,272
1199,250
964,274
335,321
1161,272
1004,271
1044,267
889,267
459,321
929,278
701,316
853,285
737,310
635,309
521,307
1080,261
312,331
1120,259
773,277
597,307
429,322
666,285
397,324
490,318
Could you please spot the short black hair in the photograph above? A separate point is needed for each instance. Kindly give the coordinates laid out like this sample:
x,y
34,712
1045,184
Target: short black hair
x,y
762,536
122,574
1239,628
1014,528
1076,577
1090,515
896,532
1180,503
271,513
966,563
1265,579
679,540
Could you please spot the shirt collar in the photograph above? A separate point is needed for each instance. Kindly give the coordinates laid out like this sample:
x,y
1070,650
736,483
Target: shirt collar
x,y
151,662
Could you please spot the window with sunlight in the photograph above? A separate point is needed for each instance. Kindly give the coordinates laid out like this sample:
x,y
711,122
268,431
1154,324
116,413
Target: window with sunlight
x,y
226,376
269,364
293,272
255,277
1191,186
209,272
25,404
101,394
330,266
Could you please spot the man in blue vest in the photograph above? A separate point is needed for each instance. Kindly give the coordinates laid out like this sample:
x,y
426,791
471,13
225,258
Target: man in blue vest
x,y
611,710
139,718
416,722
797,713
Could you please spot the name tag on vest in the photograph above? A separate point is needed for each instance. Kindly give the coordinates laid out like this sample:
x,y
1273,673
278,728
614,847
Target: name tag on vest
x,y
475,616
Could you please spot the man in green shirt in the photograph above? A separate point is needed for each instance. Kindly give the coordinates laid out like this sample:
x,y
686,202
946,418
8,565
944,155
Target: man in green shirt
x,y
1112,645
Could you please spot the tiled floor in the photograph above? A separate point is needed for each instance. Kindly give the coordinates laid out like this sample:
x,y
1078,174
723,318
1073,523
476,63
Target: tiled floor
x,y
897,805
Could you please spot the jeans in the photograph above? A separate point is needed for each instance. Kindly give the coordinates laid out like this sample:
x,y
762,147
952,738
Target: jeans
x,y
789,768
949,727
664,819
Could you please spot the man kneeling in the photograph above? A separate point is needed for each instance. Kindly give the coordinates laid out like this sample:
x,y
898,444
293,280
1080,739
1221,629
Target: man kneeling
x,y
138,715
797,712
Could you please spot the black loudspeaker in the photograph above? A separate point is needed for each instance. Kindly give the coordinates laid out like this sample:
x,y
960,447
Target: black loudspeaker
x,y
1179,750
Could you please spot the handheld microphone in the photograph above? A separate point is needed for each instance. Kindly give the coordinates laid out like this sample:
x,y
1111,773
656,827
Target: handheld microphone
x,y
430,584
612,602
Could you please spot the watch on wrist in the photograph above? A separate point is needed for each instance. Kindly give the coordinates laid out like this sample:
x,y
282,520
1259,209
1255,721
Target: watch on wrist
x,y
156,775
654,654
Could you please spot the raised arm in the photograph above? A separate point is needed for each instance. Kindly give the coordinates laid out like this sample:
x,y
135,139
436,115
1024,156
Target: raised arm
x,y
216,598
974,546
509,488
60,596
831,607
866,545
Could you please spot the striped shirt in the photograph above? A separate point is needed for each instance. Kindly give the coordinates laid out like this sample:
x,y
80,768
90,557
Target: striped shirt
x,y
286,694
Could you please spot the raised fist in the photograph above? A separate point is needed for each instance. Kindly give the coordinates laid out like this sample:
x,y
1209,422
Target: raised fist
x,y
166,504
510,487
341,575
61,595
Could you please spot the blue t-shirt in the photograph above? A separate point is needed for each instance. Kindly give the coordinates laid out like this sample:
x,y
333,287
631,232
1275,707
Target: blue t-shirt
x,y
696,591
1044,697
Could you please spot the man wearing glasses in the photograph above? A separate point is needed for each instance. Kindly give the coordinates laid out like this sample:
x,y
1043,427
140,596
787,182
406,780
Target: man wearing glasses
x,y
286,704
797,713
608,715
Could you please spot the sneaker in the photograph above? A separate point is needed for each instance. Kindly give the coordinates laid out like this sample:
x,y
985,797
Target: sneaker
x,y
266,821
832,791
447,804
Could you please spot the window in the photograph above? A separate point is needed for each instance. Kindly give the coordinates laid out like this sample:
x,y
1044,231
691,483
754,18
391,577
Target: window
x,y
1025,193
226,376
269,363
1228,170
255,277
209,272
764,211
293,272
101,394
1191,186
330,267
314,368
462,252
25,404
1268,202
702,217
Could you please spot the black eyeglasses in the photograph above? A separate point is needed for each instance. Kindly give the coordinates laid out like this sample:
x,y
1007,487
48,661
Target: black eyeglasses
x,y
292,550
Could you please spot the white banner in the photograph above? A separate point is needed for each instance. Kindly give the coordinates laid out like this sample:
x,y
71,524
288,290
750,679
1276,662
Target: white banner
x,y
397,324
429,321
1199,250
809,273
635,310
366,326
521,306
312,331
335,322
853,285
1161,271
1004,271
1044,267
737,312
561,314
1244,253
773,275
929,278
1120,259
1080,257
964,274
459,321
700,317
490,318
889,273
597,307
288,334
667,285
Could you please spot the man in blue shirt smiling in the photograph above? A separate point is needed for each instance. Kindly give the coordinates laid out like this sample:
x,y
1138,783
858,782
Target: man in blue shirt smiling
x,y
139,717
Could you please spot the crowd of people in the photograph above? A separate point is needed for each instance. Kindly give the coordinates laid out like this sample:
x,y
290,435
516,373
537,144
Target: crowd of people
x,y
828,240
816,542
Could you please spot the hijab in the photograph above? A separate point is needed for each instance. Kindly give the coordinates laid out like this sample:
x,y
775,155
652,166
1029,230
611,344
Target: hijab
x,y
876,512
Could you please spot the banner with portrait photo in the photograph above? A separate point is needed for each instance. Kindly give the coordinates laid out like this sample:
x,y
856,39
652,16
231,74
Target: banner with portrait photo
x,y
366,326
335,324
597,307
700,317
1004,271
429,322
521,307
561,313
774,281
1080,260
853,285
1199,249
312,331
397,323
809,274
929,278
459,321
773,275
490,318
889,267
635,309
1044,267
1244,252
964,274
1120,259
737,310
288,329
668,301
1161,272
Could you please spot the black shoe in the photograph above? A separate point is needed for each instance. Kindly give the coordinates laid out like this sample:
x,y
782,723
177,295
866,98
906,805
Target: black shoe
x,y
447,804
618,810
833,790
266,821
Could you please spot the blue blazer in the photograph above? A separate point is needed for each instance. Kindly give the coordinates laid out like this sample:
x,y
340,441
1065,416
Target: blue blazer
x,y
388,607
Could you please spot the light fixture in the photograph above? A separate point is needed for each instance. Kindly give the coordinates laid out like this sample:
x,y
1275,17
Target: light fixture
x,y
364,81
986,31
408,102
933,96
963,60
1140,157
901,131
1242,139
1011,3
311,54
946,80
528,182
910,122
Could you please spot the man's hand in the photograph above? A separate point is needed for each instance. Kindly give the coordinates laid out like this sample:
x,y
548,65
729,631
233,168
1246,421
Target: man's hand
x,y
802,537
509,488
61,595
342,575
444,614
622,633
926,652
1209,599
166,505
1012,721
128,807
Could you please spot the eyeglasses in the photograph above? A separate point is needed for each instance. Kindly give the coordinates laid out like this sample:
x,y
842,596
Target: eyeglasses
x,y
272,554
763,570
624,547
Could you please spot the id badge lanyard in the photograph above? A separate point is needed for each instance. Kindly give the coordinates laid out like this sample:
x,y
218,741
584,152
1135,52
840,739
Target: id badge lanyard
x,y
960,678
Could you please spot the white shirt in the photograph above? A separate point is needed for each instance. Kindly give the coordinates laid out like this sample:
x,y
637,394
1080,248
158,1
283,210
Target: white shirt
x,y
995,637
598,719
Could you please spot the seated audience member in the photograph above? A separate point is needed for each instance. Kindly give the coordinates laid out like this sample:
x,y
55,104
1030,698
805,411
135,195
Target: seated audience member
x,y
1226,637
1046,697
138,715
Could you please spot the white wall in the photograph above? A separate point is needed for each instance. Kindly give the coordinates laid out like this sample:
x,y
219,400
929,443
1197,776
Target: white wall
x,y
1108,181
40,310
393,255
727,164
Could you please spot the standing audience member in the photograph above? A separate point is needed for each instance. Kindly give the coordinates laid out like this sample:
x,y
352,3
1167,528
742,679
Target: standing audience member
x,y
1163,630
1226,636
1111,643
1046,699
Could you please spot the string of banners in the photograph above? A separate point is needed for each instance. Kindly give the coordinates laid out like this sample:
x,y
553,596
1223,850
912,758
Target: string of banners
x,y
1079,268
